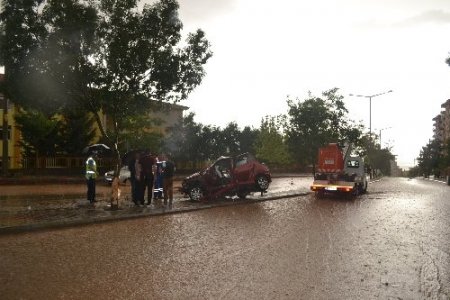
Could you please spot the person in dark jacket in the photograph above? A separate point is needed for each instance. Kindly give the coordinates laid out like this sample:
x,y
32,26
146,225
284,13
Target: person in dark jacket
x,y
148,164
132,168
139,180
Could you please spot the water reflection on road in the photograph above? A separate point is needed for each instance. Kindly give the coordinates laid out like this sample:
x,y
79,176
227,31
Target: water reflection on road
x,y
390,243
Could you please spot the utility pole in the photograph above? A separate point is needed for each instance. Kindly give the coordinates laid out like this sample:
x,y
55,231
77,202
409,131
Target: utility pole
x,y
370,106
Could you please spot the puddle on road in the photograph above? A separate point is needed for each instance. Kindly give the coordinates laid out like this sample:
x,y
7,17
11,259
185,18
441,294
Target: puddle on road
x,y
359,248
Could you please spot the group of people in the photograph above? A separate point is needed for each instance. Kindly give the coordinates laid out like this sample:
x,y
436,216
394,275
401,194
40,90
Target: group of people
x,y
147,172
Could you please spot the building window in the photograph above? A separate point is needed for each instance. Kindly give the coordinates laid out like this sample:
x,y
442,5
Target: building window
x,y
1,133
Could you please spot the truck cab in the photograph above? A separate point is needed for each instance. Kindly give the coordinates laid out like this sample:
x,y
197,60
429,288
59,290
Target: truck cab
x,y
354,167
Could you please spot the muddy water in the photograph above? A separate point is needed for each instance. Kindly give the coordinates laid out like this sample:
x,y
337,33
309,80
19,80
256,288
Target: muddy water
x,y
392,243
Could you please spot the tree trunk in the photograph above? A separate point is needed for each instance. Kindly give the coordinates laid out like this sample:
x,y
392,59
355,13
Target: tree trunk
x,y
115,190
5,158
36,164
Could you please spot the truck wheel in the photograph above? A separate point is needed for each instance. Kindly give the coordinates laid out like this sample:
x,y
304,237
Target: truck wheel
x,y
196,193
364,190
320,194
262,182
356,190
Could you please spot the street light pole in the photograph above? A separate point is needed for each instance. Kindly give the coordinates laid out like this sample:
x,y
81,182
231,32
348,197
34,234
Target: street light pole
x,y
370,106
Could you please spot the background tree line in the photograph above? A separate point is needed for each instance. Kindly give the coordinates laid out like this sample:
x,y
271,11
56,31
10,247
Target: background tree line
x,y
434,159
285,142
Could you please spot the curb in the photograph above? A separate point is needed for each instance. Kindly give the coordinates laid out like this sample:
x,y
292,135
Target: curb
x,y
129,214
435,180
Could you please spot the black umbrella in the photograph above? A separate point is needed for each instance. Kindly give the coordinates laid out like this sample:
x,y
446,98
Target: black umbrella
x,y
99,148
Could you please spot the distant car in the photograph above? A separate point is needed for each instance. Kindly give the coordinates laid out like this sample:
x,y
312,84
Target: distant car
x,y
124,175
228,176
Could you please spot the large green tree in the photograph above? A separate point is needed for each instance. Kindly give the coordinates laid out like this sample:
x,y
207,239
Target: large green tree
x,y
104,55
315,122
40,133
185,142
229,138
430,157
248,138
380,160
270,145
77,131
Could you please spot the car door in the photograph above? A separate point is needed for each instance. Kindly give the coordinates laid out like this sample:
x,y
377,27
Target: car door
x,y
243,171
210,177
216,172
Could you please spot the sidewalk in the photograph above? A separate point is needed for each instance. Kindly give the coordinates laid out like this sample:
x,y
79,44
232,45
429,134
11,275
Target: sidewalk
x,y
25,207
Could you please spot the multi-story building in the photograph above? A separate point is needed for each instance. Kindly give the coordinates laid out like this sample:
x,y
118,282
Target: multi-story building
x,y
441,126
170,114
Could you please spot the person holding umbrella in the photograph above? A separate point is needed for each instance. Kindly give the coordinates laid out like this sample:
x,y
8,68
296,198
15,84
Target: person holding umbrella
x,y
91,168
91,175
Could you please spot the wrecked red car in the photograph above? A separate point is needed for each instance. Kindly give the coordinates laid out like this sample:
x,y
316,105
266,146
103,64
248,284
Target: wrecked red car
x,y
228,176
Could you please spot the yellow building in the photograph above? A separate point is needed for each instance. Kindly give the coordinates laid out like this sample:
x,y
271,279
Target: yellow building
x,y
171,114
13,133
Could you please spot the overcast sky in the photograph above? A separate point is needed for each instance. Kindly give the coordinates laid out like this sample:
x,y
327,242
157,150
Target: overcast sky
x,y
267,50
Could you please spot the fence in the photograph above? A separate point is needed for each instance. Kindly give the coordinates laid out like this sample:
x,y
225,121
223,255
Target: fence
x,y
76,165
64,162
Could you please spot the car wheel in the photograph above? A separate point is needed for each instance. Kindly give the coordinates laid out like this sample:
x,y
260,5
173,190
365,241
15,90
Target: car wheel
x,y
242,195
196,193
262,182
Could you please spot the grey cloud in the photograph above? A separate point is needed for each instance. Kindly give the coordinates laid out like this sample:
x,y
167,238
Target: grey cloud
x,y
199,10
427,17
204,9
431,16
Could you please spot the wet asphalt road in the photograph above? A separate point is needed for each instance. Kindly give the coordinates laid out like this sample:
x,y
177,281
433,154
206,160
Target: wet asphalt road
x,y
392,243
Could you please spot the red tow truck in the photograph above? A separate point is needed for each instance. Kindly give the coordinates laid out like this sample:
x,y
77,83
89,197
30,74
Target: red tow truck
x,y
339,172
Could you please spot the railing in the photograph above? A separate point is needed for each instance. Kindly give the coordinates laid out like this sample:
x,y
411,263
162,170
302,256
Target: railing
x,y
74,162
60,162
